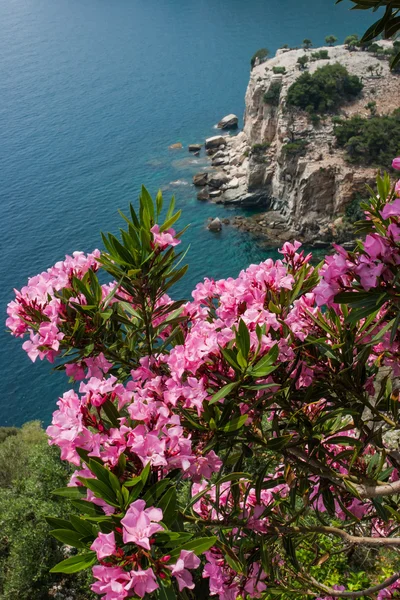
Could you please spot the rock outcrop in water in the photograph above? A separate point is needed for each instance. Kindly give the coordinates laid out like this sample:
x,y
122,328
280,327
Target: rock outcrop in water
x,y
229,122
308,190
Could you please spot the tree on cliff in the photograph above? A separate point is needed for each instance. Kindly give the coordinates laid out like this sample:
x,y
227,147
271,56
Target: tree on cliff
x,y
388,25
352,41
302,62
261,54
307,44
331,40
325,90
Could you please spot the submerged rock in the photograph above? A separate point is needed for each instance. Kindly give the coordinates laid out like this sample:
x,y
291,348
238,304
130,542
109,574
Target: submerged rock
x,y
177,146
200,179
228,122
204,194
215,225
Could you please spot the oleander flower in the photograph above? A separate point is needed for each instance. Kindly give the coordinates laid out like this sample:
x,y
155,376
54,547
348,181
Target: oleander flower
x,y
396,163
104,545
164,239
140,524
187,560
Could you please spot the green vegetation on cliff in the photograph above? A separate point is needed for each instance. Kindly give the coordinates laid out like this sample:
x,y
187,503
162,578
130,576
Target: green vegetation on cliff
x,y
325,90
370,141
29,471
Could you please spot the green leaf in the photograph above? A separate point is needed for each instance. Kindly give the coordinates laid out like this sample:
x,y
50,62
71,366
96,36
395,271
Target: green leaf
x,y
289,547
234,424
100,490
279,443
75,563
168,505
198,546
156,491
165,592
82,526
111,412
60,523
243,339
264,366
171,539
233,477
73,492
223,392
144,475
68,537
147,202
230,357
87,508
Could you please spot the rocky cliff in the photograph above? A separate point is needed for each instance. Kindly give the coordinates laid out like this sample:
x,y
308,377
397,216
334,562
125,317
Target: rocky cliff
x,y
310,189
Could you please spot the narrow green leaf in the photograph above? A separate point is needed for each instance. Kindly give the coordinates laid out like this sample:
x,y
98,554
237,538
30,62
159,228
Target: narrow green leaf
x,y
75,563
223,392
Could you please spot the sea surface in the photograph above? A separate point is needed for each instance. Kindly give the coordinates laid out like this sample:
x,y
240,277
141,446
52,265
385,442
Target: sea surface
x,y
92,93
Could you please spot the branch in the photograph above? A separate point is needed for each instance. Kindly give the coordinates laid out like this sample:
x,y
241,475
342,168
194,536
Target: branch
x,y
358,594
365,491
347,537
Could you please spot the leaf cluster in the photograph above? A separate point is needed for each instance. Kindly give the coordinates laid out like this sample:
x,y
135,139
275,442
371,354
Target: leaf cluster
x,y
325,90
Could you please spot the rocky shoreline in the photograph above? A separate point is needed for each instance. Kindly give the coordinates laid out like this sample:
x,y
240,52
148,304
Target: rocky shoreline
x,y
302,195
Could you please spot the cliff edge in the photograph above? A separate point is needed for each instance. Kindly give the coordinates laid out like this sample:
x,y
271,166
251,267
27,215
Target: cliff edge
x,y
290,162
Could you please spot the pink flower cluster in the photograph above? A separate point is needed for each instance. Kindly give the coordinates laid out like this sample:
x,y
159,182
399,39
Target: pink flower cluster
x,y
141,420
149,431
36,309
227,584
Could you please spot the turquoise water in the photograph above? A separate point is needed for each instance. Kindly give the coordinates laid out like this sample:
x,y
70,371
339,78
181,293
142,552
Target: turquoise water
x,y
92,94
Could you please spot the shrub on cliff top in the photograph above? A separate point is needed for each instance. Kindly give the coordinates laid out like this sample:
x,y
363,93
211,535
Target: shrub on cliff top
x,y
370,141
262,54
320,55
325,90
279,70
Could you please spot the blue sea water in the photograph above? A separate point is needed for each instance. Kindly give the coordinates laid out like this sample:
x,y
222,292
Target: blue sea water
x,y
92,93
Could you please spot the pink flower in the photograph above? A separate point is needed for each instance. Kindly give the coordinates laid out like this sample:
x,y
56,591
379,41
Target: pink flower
x,y
140,524
104,545
142,582
75,370
391,210
368,273
164,239
375,246
397,189
150,448
394,232
112,582
187,560
396,163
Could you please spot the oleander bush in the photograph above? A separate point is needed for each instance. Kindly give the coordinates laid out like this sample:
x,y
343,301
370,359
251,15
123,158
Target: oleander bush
x,y
324,91
243,444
